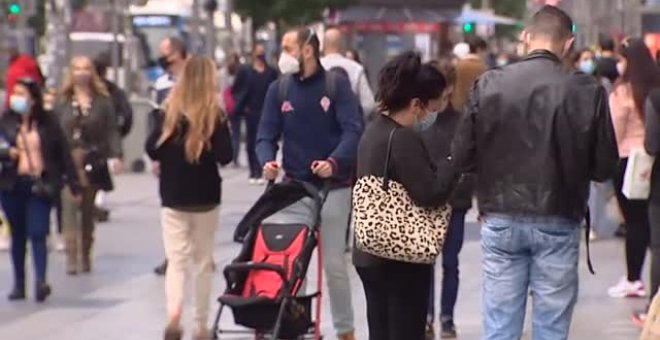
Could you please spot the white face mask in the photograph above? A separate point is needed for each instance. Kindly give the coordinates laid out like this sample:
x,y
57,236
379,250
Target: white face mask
x,y
288,64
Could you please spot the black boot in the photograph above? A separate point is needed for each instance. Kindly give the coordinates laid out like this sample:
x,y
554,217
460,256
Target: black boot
x,y
42,292
161,269
18,293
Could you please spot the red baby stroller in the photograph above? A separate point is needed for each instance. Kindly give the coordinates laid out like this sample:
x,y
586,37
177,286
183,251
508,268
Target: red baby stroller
x,y
264,282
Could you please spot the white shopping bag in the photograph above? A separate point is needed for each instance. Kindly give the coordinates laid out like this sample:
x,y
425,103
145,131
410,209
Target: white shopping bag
x,y
637,179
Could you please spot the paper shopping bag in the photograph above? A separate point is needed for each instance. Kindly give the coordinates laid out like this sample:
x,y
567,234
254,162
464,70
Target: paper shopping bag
x,y
637,178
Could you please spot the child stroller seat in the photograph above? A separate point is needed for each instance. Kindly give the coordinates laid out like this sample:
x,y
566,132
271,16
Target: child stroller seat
x,y
264,281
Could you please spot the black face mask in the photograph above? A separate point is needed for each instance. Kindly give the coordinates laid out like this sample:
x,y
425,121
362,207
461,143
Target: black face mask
x,y
164,63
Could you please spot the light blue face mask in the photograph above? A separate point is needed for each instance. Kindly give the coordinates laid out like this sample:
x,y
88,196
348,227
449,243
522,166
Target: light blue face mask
x,y
587,66
427,122
19,105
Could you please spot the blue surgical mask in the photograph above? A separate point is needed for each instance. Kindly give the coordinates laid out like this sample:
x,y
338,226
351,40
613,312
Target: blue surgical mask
x,y
427,122
587,66
19,104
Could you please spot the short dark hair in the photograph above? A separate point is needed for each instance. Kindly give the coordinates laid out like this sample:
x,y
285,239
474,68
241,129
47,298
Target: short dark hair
x,y
404,78
307,35
101,63
476,44
552,22
606,43
179,46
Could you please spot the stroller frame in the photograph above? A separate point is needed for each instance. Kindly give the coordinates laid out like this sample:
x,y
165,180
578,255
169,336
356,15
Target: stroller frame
x,y
285,297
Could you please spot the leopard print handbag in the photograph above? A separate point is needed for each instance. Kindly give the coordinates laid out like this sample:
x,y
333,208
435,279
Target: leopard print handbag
x,y
390,225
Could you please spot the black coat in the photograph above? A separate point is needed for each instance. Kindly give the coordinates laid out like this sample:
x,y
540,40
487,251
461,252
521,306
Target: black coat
x,y
184,184
438,142
536,134
58,165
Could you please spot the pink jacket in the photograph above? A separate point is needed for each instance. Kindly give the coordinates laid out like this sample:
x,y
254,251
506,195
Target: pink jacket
x,y
628,125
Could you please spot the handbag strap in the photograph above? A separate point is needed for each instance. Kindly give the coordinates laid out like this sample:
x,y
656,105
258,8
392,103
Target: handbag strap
x,y
31,167
388,156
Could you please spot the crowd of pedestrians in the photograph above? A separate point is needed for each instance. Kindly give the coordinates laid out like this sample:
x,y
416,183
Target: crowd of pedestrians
x,y
542,140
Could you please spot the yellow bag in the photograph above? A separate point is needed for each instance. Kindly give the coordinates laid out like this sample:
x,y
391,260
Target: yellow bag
x,y
652,324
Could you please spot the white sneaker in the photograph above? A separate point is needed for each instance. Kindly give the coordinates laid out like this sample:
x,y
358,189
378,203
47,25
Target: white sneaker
x,y
261,181
252,181
626,288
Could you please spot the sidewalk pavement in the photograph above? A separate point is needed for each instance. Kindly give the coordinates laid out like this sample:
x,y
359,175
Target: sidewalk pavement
x,y
123,299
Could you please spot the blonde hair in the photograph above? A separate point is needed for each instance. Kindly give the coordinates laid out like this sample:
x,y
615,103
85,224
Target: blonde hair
x,y
193,98
96,84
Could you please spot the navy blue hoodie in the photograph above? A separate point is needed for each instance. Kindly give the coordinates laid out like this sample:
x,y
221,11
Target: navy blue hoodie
x,y
312,125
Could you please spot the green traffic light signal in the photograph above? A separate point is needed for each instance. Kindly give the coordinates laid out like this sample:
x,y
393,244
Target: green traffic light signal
x,y
575,28
14,9
468,27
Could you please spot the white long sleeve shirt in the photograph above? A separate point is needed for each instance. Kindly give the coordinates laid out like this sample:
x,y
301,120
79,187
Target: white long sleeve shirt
x,y
357,78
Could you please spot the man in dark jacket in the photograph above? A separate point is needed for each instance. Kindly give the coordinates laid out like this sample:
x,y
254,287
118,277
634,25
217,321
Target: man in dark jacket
x,y
123,109
535,134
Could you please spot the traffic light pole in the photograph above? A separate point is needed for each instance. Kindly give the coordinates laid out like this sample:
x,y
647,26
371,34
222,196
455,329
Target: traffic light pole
x,y
21,30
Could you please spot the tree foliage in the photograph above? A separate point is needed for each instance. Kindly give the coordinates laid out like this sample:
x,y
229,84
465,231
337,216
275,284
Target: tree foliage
x,y
511,8
286,12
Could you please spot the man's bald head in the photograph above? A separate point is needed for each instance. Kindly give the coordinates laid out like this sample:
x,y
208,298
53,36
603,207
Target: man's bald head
x,y
333,42
172,53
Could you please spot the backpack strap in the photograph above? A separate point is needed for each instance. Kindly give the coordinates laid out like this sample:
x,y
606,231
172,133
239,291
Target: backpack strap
x,y
283,87
331,85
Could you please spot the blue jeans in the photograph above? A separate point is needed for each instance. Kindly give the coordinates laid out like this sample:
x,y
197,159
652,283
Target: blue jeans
x,y
529,254
29,218
451,249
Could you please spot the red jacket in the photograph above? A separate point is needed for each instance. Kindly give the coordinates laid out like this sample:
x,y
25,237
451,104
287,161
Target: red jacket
x,y
22,67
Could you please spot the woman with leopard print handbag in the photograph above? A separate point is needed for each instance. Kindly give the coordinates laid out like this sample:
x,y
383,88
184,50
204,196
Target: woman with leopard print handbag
x,y
399,200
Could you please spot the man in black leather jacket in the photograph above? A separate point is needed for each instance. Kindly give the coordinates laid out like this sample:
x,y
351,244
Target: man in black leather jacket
x,y
535,134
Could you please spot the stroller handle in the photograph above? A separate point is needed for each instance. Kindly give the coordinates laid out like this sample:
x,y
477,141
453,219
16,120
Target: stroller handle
x,y
319,196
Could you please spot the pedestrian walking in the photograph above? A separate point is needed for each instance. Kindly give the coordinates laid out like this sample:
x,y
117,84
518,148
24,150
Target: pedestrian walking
x,y
437,140
20,66
639,76
411,94
124,114
333,47
36,162
316,115
535,134
652,145
173,55
468,69
189,142
90,126
249,90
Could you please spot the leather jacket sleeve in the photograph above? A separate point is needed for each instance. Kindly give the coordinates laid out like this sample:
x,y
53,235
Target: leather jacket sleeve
x,y
464,145
606,154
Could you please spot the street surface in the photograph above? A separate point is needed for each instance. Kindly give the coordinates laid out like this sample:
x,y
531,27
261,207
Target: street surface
x,y
123,299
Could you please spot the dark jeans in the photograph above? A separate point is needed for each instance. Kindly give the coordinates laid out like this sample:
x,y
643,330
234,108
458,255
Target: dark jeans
x,y
635,214
251,125
654,219
28,216
397,300
451,249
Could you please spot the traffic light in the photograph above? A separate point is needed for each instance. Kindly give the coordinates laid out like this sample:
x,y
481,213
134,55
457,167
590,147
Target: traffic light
x,y
468,27
14,8
575,28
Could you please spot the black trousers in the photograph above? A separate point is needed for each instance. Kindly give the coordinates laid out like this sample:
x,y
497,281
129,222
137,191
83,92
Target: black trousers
x,y
654,219
635,214
397,300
